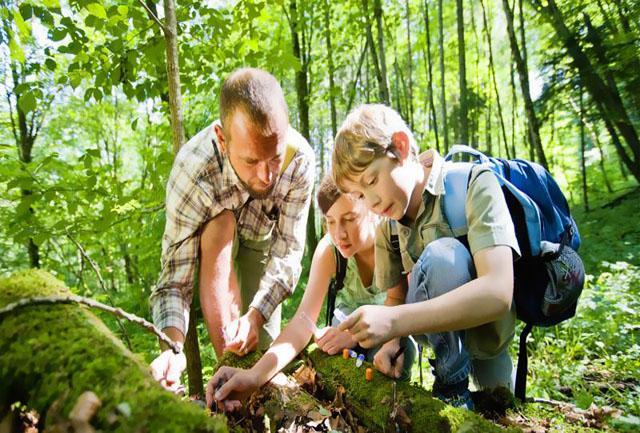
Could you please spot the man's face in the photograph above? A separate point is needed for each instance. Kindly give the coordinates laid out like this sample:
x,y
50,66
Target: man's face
x,y
386,187
256,154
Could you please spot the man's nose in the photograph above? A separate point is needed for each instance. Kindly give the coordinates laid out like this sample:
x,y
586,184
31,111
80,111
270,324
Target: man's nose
x,y
264,173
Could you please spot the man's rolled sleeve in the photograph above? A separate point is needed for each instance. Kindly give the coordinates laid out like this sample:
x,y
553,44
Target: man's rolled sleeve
x,y
187,208
285,261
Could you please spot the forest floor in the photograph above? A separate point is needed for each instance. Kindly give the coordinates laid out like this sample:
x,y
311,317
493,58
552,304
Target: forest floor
x,y
586,371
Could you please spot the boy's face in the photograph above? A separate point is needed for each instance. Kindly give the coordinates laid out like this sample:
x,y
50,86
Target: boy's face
x,y
386,186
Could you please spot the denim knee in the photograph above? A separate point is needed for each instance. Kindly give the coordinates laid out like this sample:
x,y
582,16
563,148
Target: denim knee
x,y
444,265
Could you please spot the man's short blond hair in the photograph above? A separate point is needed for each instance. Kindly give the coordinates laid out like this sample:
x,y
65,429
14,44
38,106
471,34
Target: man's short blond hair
x,y
365,136
256,93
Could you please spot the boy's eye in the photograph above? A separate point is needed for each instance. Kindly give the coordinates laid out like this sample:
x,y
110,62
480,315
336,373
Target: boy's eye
x,y
372,181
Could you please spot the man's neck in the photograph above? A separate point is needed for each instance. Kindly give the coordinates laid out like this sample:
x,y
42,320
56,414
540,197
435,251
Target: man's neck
x,y
416,196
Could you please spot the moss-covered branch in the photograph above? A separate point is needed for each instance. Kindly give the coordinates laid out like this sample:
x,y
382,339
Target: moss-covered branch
x,y
372,401
51,354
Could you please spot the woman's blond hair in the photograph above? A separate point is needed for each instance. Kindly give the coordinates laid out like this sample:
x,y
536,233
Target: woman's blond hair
x,y
366,135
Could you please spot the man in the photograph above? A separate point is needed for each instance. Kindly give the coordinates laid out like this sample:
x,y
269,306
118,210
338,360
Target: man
x,y
237,204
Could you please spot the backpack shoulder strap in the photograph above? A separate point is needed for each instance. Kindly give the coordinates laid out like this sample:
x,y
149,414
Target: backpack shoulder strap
x,y
393,238
336,285
456,183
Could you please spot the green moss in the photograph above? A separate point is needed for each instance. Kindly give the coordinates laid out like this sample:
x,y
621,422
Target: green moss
x,y
372,401
53,353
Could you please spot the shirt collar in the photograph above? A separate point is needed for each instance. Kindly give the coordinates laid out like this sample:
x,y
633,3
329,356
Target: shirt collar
x,y
435,181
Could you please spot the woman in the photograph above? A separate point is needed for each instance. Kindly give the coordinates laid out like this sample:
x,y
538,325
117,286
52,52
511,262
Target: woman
x,y
351,233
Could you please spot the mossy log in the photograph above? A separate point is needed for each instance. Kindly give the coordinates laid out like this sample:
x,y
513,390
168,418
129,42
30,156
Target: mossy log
x,y
371,402
284,403
51,354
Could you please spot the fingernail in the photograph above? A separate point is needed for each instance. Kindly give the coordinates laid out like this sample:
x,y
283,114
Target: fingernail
x,y
216,396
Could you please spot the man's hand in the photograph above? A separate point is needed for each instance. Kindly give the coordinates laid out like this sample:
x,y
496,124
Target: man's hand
x,y
167,368
371,325
382,359
229,386
332,341
244,333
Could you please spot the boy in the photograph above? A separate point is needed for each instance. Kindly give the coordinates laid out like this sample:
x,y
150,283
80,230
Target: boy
x,y
458,299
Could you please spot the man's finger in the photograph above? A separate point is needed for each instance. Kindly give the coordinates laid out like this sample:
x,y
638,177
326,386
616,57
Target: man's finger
x,y
350,321
225,389
231,405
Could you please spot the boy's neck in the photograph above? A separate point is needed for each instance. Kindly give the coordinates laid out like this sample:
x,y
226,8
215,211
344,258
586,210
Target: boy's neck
x,y
416,196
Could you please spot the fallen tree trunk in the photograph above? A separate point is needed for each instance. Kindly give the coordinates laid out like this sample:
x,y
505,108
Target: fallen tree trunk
x,y
52,354
372,403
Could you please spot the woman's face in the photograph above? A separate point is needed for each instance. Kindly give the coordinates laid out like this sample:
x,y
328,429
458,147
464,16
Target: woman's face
x,y
351,225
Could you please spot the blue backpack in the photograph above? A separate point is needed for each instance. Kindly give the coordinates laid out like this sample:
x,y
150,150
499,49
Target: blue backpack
x,y
549,276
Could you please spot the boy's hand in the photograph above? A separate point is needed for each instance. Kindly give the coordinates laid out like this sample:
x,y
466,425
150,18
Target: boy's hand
x,y
244,333
229,386
382,359
332,340
371,325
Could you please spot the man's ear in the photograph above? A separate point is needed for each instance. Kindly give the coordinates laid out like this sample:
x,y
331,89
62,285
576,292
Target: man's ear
x,y
401,145
220,138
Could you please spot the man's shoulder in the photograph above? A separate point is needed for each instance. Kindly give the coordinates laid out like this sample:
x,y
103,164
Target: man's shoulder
x,y
197,155
302,146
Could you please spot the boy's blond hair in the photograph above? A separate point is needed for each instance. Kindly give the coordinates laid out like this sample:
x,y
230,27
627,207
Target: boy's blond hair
x,y
365,136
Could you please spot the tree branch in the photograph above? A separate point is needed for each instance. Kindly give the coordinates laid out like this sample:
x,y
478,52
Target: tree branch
x,y
152,15
74,299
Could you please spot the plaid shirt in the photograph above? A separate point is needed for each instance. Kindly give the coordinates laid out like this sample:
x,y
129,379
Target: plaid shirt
x,y
202,184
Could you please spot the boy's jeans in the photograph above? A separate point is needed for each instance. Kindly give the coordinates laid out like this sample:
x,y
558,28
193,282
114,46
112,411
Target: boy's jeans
x,y
444,265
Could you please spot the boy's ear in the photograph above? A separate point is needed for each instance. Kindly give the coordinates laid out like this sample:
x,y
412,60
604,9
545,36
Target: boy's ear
x,y
401,145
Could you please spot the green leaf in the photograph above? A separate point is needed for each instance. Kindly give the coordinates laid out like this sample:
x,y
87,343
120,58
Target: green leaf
x,y
123,10
50,64
52,4
16,50
27,102
97,10
21,24
58,34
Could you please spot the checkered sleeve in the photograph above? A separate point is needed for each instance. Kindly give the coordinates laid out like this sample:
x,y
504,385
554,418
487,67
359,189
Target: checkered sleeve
x,y
284,265
187,208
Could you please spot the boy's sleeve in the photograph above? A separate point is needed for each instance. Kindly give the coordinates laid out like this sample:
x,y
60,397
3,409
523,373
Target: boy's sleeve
x,y
388,270
488,216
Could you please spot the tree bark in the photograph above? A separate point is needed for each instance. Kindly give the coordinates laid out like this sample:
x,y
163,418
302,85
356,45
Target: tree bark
x,y
409,66
384,89
523,75
462,76
173,74
54,353
331,69
443,99
492,71
583,165
302,93
432,107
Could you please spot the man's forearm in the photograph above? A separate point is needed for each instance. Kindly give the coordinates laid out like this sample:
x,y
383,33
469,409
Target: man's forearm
x,y
175,335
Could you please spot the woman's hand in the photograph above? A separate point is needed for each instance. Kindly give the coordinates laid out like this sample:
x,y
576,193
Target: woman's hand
x,y
229,386
332,340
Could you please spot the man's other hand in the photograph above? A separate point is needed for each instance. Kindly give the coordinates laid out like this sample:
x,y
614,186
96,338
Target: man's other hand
x,y
167,369
244,333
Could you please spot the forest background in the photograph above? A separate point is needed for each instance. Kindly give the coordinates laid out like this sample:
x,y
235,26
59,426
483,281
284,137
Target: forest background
x,y
98,96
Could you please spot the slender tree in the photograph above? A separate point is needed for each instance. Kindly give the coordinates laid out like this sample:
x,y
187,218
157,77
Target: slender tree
x,y
583,164
443,98
331,68
462,76
409,66
523,76
432,107
378,15
380,75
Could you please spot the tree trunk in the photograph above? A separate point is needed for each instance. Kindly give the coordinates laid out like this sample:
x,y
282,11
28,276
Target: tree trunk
x,y
583,165
608,99
356,79
432,107
492,71
443,99
302,92
409,67
523,75
330,67
173,73
54,353
384,87
462,76
382,80
523,46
